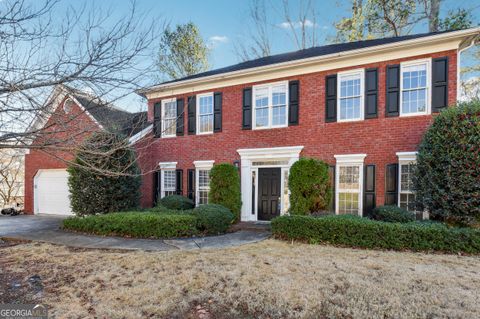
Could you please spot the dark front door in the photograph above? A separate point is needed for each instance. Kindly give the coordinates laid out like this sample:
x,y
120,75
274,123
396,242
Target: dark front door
x,y
268,193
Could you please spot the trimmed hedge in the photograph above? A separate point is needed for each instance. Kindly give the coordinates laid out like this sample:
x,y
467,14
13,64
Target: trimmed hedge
x,y
213,219
177,202
309,185
135,224
225,188
354,231
392,214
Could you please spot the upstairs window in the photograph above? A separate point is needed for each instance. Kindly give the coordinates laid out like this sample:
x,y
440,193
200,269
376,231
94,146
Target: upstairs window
x,y
169,118
205,113
414,98
270,105
350,97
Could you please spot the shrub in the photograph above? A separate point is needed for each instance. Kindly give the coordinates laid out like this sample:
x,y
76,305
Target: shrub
x,y
392,214
447,174
356,231
213,219
225,188
309,186
104,176
135,224
177,202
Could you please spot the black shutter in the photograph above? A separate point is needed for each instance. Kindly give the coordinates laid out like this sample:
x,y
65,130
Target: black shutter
x,y
393,90
391,184
369,190
180,117
331,174
371,93
331,98
247,109
191,184
439,83
179,181
156,187
217,112
293,105
157,119
192,110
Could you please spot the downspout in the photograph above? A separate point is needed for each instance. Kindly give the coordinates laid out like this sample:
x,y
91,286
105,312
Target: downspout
x,y
459,53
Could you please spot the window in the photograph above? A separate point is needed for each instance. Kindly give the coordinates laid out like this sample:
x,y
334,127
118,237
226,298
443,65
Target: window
x,y
202,181
168,182
205,113
414,98
349,184
168,178
270,105
407,195
169,118
203,186
350,97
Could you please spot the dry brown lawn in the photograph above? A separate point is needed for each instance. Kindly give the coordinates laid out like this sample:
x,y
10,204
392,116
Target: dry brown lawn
x,y
271,279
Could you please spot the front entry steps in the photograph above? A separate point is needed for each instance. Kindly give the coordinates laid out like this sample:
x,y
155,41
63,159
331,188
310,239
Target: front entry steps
x,y
260,226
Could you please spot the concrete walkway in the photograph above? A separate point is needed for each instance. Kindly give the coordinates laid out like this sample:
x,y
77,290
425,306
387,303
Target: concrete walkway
x,y
47,229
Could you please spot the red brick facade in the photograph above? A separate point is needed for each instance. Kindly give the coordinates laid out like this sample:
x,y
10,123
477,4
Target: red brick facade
x,y
380,138
69,130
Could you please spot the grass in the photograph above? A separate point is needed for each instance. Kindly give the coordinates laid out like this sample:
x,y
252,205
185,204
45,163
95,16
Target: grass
x,y
271,279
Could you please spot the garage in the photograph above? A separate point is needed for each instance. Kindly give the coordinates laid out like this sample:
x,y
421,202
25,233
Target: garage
x,y
51,192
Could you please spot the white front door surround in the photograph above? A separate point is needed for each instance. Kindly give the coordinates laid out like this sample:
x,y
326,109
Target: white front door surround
x,y
254,158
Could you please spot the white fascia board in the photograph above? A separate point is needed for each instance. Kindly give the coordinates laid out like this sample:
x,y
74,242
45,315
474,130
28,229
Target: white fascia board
x,y
137,137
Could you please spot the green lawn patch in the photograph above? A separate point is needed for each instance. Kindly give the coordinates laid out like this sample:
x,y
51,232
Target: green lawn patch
x,y
354,231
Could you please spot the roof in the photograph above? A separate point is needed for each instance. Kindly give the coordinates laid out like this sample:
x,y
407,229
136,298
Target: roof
x,y
109,116
321,52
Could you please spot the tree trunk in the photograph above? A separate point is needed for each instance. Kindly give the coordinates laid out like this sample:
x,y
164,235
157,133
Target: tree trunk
x,y
433,16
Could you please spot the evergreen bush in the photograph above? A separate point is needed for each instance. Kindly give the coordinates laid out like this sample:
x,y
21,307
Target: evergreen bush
x,y
104,176
309,185
447,174
225,188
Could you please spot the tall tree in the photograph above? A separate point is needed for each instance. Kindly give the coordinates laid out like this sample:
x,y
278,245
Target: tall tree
x,y
183,52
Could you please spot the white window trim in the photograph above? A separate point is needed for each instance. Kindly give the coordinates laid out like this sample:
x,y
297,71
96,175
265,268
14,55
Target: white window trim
x,y
163,135
349,160
404,158
197,120
165,166
360,72
269,86
428,108
200,165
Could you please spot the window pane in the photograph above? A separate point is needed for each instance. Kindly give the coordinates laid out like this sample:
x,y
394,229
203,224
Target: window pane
x,y
203,178
206,105
279,116
348,203
349,177
261,117
206,123
406,173
350,97
169,182
414,94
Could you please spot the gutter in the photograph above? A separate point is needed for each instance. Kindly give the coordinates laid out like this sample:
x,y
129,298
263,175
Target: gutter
x,y
244,72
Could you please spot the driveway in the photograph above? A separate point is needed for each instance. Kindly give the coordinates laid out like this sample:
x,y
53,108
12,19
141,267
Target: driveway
x,y
47,229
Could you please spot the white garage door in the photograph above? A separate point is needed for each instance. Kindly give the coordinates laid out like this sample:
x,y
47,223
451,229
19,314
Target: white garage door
x,y
51,192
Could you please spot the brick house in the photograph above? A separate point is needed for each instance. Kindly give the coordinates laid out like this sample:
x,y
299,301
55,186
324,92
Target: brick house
x,y
70,116
362,107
